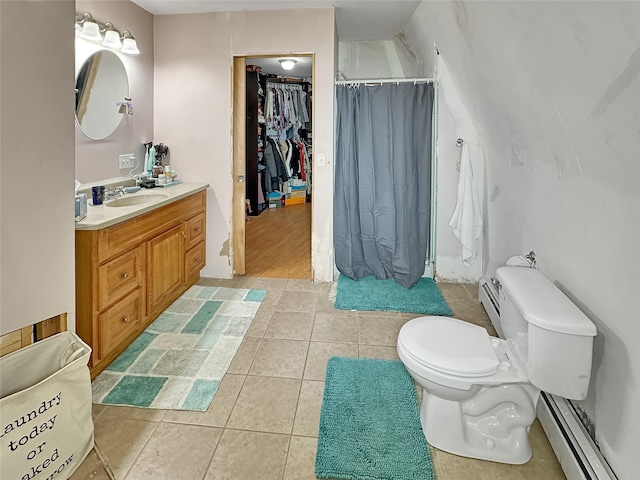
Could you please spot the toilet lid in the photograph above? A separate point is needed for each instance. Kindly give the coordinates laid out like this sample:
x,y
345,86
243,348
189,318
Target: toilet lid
x,y
450,346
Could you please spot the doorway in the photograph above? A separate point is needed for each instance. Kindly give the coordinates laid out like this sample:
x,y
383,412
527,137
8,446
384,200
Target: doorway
x,y
272,166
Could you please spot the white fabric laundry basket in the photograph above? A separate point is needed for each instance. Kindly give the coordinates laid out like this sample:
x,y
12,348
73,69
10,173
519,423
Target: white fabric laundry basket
x,y
46,428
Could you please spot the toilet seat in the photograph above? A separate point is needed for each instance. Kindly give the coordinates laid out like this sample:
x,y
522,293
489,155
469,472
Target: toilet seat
x,y
449,346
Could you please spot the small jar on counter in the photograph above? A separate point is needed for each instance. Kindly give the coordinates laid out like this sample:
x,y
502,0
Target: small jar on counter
x,y
167,174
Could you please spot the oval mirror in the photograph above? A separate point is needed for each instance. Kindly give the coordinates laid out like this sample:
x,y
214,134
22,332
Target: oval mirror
x,y
101,86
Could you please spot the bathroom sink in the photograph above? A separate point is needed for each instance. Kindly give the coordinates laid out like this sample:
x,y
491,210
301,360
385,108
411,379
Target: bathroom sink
x,y
130,200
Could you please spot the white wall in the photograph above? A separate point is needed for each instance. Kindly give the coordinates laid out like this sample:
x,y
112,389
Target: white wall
x,y
369,60
454,123
98,159
37,276
553,91
193,109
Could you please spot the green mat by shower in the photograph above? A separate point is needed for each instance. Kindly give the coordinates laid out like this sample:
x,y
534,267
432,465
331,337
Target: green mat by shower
x,y
372,294
370,423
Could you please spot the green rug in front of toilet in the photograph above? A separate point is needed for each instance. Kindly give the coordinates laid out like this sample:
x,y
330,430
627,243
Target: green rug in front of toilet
x,y
370,423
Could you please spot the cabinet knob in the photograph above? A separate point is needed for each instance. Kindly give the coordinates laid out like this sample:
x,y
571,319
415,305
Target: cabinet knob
x,y
198,260
125,320
125,275
198,229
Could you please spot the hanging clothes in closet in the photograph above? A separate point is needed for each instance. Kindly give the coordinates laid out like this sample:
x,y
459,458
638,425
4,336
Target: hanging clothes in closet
x,y
286,115
276,171
285,110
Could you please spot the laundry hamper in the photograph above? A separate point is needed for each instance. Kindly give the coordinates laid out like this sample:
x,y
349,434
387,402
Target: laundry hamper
x,y
46,428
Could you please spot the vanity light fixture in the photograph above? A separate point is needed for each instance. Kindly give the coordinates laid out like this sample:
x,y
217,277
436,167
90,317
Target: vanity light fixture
x,y
111,37
129,44
91,29
287,63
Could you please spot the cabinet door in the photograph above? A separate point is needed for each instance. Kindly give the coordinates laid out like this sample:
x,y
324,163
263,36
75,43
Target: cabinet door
x,y
165,268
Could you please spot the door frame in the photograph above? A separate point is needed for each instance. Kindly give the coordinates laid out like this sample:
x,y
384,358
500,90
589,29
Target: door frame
x,y
238,230
239,170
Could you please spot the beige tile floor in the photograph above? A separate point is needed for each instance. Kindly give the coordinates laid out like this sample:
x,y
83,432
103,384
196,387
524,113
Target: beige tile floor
x,y
263,422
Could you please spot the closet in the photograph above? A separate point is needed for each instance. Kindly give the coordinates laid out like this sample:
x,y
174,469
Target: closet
x,y
278,141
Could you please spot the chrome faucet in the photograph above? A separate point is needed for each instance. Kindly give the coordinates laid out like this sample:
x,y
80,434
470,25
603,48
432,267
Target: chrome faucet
x,y
116,193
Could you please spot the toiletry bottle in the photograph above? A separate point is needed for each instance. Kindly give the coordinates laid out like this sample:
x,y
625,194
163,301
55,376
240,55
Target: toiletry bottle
x,y
167,173
152,159
161,179
146,158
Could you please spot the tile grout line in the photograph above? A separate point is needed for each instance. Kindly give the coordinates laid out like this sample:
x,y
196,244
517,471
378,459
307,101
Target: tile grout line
x,y
126,474
224,428
104,461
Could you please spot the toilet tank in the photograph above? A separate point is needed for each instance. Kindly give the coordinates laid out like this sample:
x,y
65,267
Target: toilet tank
x,y
550,335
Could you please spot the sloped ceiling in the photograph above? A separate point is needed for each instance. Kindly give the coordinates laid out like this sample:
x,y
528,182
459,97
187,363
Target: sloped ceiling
x,y
355,19
553,89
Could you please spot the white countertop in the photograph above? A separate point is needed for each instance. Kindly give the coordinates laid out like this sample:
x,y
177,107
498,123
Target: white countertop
x,y
101,216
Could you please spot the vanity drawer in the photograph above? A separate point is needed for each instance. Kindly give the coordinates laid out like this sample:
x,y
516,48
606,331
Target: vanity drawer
x,y
194,261
195,229
119,322
120,276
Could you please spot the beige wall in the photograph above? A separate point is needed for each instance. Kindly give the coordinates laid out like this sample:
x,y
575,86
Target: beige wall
x,y
37,157
98,159
193,109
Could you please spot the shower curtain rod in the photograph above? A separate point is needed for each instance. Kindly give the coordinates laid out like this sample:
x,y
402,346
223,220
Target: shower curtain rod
x,y
374,81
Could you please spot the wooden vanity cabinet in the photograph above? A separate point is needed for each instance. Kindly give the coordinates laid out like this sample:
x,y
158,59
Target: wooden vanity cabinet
x,y
129,273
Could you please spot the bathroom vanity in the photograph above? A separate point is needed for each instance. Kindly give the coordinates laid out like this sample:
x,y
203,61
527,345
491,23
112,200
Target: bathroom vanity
x,y
135,255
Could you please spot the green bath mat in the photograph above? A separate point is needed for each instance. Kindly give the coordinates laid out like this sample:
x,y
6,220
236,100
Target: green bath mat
x,y
370,423
372,294
177,363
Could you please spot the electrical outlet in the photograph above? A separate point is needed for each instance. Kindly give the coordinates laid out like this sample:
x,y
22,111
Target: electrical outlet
x,y
126,160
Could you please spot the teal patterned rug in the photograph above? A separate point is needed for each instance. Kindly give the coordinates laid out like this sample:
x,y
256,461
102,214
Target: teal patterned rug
x,y
370,423
372,294
177,363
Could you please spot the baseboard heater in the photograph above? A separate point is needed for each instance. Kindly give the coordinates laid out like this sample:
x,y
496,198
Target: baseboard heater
x,y
578,455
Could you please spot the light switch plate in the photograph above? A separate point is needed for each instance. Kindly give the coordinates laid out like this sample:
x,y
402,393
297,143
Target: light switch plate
x,y
126,160
322,160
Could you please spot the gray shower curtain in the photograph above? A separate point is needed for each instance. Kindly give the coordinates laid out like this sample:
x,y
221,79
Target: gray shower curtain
x,y
382,196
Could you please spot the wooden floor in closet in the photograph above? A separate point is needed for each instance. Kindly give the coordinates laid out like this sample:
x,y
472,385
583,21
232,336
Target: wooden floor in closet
x,y
278,243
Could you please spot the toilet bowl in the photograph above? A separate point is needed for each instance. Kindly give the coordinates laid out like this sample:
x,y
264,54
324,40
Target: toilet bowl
x,y
476,399
480,392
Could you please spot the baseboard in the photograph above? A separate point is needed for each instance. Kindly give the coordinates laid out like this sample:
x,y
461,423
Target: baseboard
x,y
488,297
578,455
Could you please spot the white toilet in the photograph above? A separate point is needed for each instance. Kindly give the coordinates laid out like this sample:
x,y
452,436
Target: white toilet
x,y
480,392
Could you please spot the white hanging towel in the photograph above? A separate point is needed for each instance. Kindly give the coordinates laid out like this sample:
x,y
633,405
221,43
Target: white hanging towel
x,y
467,217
